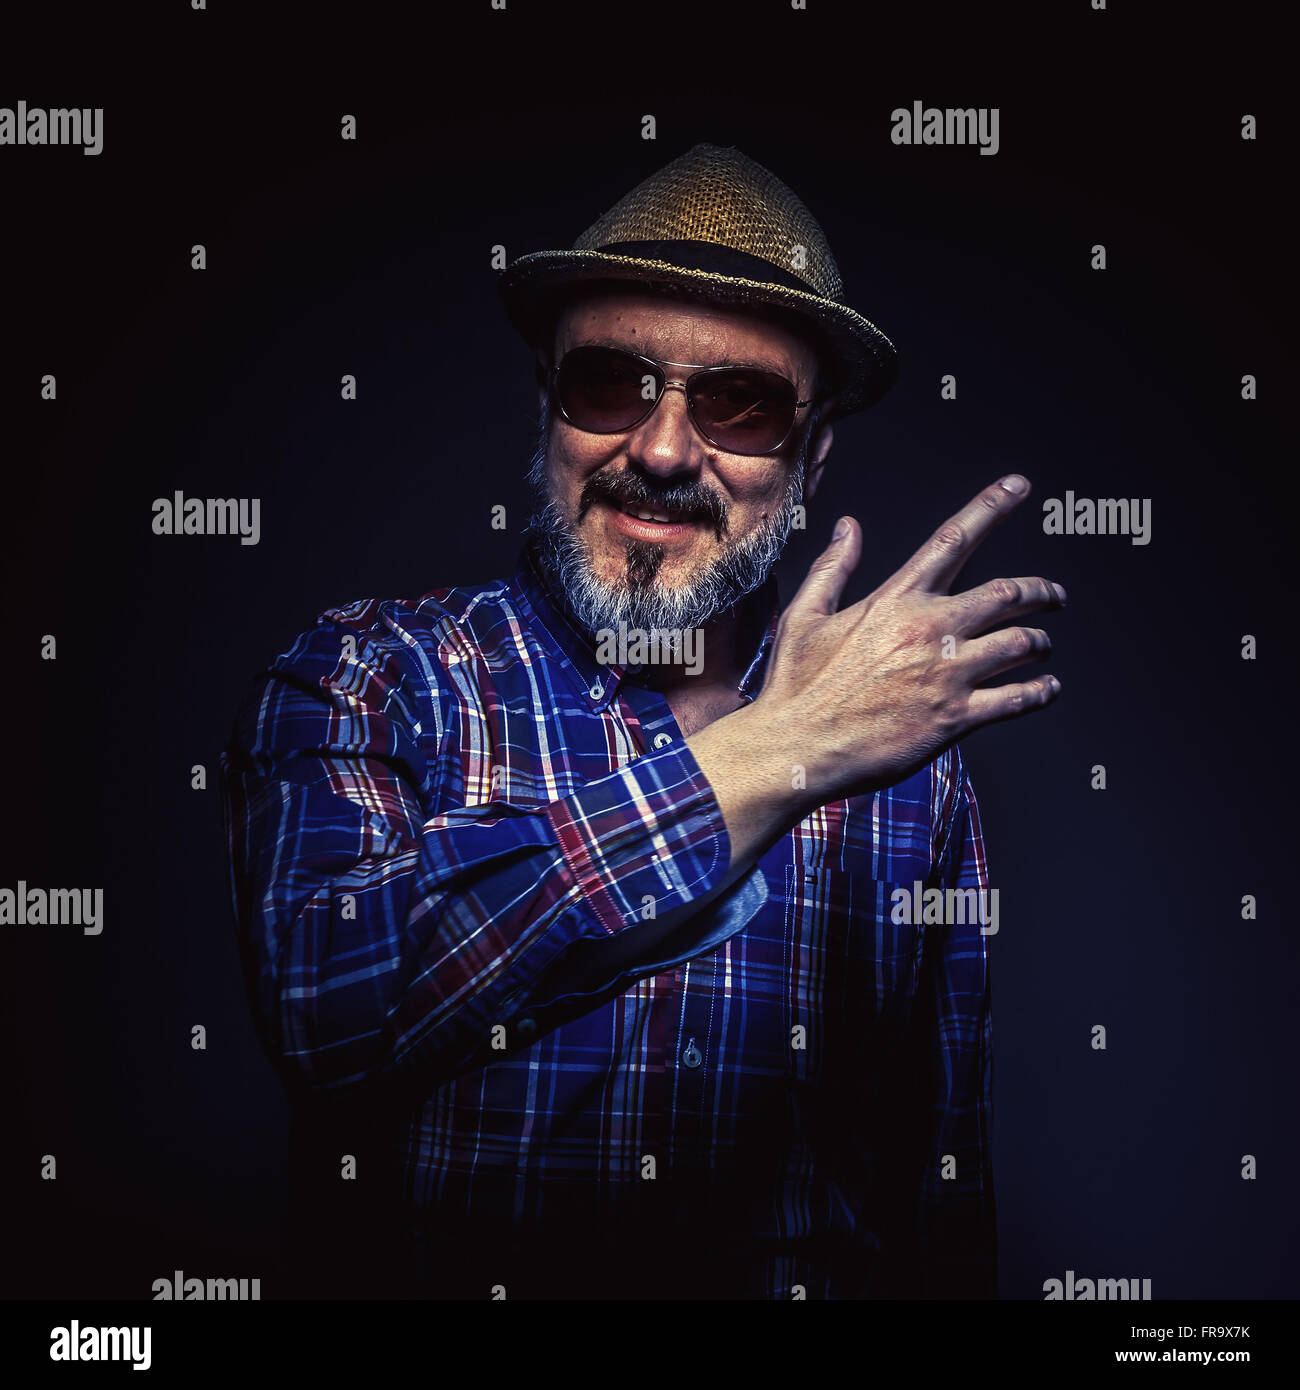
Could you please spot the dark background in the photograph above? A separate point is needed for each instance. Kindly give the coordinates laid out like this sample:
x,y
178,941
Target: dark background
x,y
1119,907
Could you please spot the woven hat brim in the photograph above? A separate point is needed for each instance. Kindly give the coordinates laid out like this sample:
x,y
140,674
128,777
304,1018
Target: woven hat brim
x,y
866,364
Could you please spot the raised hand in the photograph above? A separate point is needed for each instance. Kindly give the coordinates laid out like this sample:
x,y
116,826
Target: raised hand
x,y
877,689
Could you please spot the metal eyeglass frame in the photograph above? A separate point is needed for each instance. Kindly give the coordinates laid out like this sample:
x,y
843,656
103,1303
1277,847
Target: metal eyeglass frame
x,y
665,386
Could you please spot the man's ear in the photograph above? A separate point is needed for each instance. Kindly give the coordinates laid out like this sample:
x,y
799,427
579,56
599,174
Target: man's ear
x,y
817,458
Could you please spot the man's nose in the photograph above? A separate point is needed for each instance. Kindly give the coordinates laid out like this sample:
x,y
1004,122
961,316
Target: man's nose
x,y
666,441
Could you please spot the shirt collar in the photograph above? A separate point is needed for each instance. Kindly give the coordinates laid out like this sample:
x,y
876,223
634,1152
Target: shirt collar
x,y
574,648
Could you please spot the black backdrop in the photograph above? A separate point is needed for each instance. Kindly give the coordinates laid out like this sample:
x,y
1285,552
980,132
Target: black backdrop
x,y
476,128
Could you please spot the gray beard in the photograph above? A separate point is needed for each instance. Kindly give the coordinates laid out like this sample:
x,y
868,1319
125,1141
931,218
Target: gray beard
x,y
640,600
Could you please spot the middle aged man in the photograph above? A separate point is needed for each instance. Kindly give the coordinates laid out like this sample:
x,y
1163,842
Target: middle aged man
x,y
583,958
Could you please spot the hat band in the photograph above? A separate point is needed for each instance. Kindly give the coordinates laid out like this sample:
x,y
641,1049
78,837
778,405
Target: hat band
x,y
711,258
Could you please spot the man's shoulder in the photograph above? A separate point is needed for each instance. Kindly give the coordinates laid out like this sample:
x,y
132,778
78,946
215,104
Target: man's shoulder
x,y
393,640
379,650
463,607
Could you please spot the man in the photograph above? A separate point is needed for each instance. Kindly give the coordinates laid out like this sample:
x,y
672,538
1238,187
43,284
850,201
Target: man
x,y
590,960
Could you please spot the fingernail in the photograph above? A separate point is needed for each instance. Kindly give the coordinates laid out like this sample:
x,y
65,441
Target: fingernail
x,y
841,529
1056,686
1013,482
1060,593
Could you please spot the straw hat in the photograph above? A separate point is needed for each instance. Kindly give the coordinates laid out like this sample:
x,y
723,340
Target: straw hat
x,y
716,225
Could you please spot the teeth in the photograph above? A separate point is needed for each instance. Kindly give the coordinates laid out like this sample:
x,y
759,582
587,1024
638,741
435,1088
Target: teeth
x,y
648,516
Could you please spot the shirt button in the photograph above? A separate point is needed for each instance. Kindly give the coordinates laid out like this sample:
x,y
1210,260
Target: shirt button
x,y
635,668
691,1055
526,1028
596,691
663,740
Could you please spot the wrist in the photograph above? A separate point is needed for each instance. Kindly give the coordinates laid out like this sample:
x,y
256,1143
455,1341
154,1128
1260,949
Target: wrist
x,y
778,755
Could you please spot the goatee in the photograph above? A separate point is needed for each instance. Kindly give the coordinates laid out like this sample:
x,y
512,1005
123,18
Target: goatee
x,y
640,601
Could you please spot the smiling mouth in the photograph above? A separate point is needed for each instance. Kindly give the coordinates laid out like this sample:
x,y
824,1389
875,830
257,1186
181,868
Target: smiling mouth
x,y
642,515
640,512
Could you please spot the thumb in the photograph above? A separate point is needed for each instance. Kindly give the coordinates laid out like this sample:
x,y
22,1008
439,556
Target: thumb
x,y
821,589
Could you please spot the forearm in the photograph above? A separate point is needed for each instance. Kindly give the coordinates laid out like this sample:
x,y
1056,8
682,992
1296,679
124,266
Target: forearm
x,y
762,778
760,782
388,951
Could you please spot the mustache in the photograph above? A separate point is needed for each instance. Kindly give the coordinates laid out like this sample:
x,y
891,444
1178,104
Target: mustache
x,y
691,501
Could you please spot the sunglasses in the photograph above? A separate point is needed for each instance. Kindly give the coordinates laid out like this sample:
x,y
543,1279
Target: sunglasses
x,y
743,410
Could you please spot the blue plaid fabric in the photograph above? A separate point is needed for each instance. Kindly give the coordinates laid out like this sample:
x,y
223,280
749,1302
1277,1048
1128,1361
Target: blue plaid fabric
x,y
448,823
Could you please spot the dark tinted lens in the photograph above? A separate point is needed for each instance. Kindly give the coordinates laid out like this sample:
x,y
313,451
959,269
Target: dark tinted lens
x,y
744,411
604,390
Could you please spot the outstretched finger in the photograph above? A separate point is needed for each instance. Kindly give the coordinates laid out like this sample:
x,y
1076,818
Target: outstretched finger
x,y
999,702
937,563
824,583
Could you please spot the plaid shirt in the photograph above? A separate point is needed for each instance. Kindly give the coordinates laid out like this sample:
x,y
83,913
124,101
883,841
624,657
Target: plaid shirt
x,y
442,816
